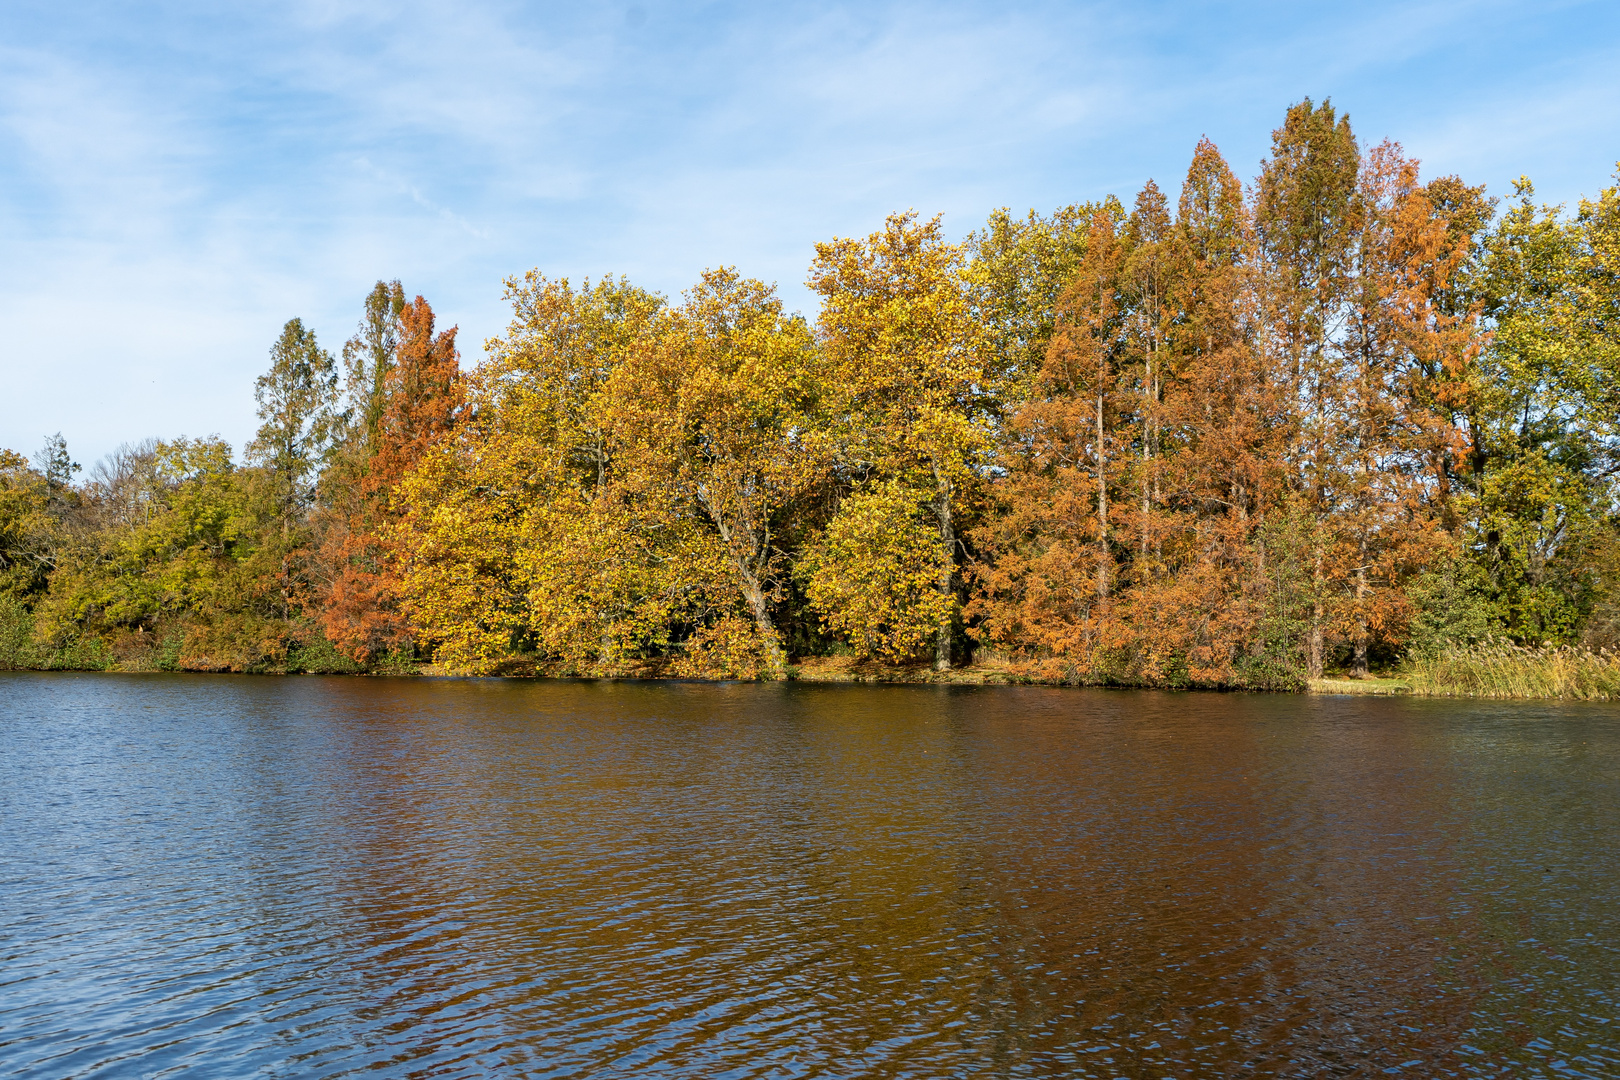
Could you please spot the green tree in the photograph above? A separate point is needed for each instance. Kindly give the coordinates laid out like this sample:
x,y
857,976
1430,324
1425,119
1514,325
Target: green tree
x,y
29,533
296,399
368,357
1544,418
1017,270
1307,218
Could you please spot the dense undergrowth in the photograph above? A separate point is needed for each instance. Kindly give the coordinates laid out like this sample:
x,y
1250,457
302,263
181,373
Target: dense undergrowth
x,y
22,648
1491,669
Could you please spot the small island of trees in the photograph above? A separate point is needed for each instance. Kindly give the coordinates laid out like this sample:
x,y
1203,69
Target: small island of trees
x,y
1342,420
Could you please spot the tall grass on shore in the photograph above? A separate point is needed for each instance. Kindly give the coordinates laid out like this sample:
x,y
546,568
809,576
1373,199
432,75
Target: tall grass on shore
x,y
1497,669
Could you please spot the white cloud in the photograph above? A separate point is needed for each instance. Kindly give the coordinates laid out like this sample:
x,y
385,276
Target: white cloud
x,y
176,182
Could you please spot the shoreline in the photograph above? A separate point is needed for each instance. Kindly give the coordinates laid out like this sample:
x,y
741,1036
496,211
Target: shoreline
x,y
822,673
993,671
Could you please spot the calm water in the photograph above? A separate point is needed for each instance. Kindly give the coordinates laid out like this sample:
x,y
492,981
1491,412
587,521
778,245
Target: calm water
x,y
309,877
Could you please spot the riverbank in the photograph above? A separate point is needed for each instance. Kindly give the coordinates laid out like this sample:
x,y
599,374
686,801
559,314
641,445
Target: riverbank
x,y
1489,670
1383,687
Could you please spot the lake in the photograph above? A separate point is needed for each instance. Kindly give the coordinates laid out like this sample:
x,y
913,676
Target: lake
x,y
317,877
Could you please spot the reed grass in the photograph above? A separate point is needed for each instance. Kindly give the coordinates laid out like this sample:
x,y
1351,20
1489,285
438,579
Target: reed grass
x,y
1498,669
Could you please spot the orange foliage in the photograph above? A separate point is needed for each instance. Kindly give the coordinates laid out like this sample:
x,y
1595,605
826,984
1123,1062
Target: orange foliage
x,y
1188,484
359,611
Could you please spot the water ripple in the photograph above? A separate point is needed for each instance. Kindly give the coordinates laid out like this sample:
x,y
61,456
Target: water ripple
x,y
438,878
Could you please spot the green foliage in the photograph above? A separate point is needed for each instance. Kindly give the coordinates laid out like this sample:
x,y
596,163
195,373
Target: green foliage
x,y
16,635
316,656
1018,269
21,650
29,534
297,399
1451,610
168,658
1275,658
368,357
58,468
1544,417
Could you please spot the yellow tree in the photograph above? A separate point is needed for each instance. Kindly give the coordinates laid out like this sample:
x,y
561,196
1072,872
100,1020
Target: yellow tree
x,y
29,534
520,535
906,355
717,409
875,574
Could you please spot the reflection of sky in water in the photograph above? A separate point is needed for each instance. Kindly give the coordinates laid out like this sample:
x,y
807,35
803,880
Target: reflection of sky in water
x,y
313,876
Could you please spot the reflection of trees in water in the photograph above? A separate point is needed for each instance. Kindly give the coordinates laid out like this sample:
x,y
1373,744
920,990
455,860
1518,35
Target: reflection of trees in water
x,y
686,879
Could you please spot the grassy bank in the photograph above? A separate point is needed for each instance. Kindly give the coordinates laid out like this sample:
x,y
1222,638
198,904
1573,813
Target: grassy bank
x,y
1360,686
1505,670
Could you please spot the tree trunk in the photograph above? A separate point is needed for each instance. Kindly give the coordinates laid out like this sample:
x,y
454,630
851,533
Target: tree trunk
x,y
749,584
754,593
1358,659
1313,659
947,539
1147,456
1102,509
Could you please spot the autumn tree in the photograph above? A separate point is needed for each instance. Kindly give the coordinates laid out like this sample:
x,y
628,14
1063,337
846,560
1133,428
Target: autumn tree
x,y
1360,316
518,543
29,535
903,349
1406,373
1049,570
1211,442
874,573
1129,539
420,396
719,408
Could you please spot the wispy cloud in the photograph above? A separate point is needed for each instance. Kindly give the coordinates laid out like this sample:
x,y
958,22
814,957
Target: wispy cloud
x,y
177,180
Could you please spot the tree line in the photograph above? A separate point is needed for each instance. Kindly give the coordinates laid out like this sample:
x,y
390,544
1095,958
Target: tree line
x,y
1327,421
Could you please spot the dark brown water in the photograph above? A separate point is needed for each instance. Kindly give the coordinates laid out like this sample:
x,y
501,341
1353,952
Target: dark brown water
x,y
305,877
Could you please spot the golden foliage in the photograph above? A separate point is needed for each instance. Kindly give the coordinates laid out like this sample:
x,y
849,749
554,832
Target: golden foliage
x,y
1226,438
873,575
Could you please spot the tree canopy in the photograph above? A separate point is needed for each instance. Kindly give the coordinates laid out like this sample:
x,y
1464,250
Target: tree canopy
x,y
1213,434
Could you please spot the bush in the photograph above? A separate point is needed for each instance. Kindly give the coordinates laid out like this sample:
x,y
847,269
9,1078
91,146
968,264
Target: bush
x,y
17,650
20,651
318,656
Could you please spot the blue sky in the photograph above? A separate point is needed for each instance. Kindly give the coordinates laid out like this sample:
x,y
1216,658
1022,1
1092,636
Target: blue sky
x,y
179,179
